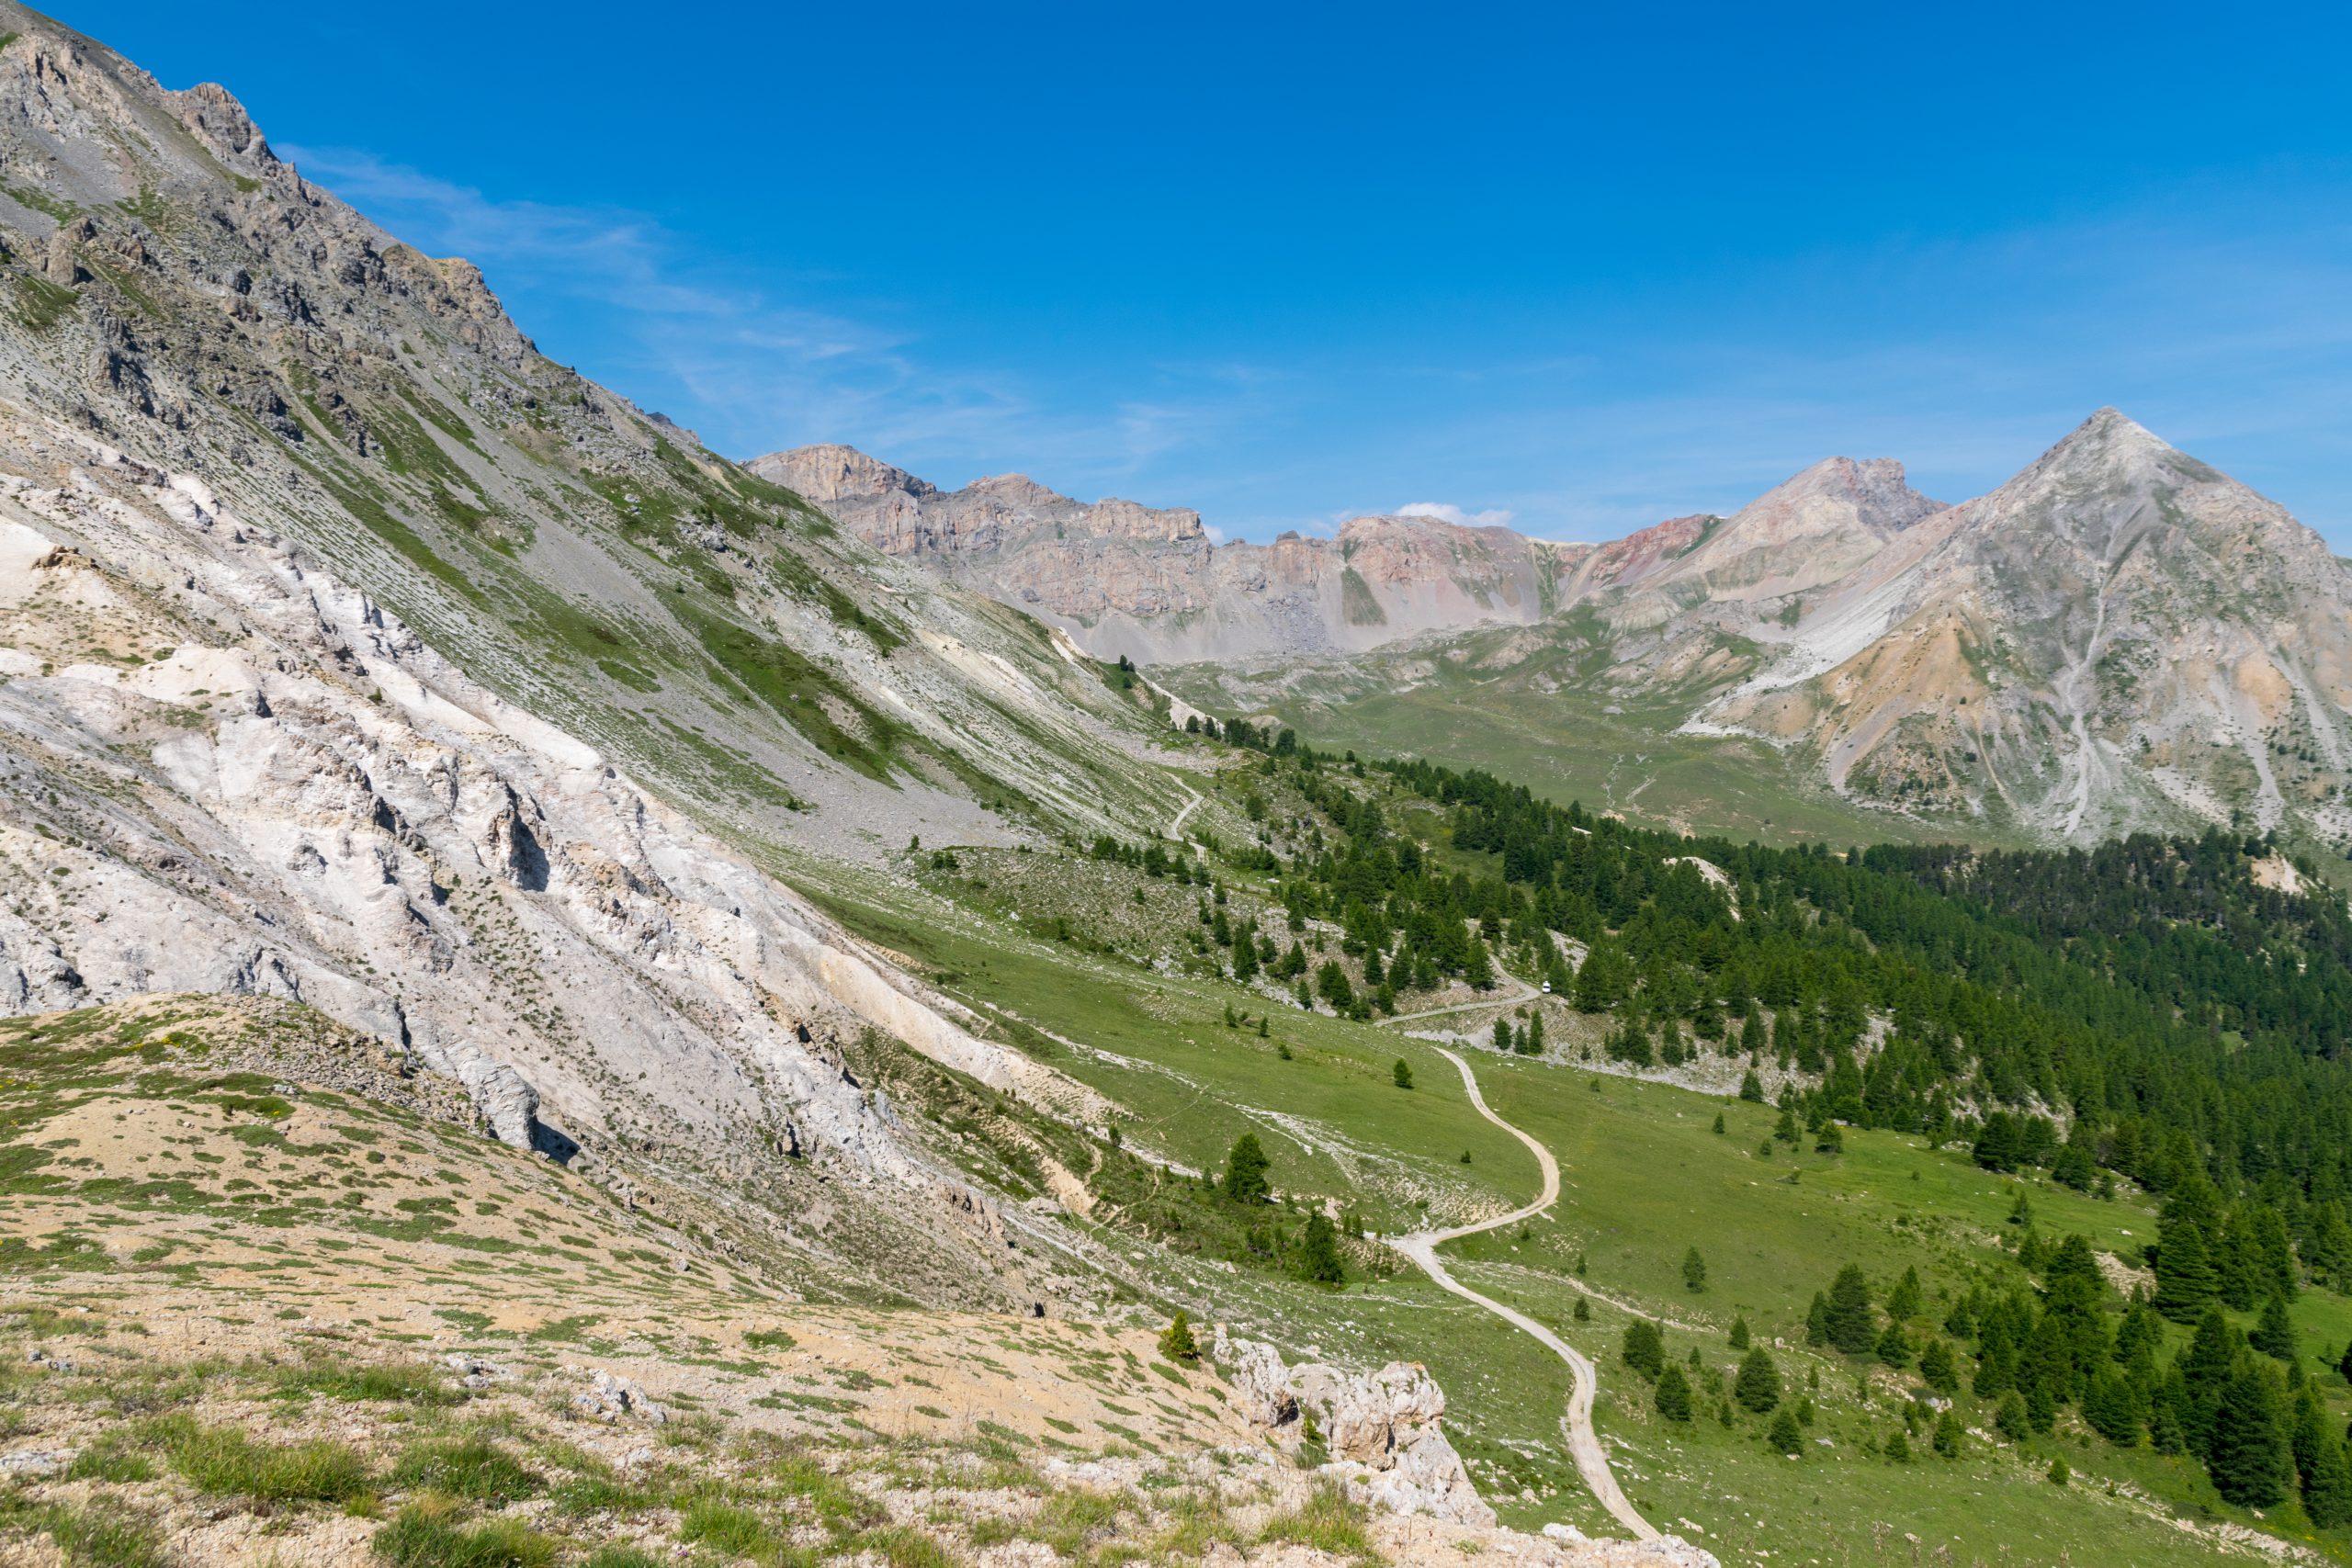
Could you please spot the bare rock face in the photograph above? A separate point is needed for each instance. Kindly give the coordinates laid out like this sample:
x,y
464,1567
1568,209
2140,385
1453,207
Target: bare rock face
x,y
1123,577
1383,1428
1255,1372
831,475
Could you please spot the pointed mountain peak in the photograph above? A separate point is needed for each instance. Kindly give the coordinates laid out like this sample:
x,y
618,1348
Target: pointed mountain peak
x,y
2107,453
830,472
1875,488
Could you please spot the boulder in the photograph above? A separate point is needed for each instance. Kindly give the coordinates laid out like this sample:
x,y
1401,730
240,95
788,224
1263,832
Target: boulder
x,y
1383,1428
508,1104
610,1396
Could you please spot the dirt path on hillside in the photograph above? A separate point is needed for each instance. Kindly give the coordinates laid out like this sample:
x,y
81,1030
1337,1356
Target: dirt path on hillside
x,y
1525,993
1176,827
1584,1444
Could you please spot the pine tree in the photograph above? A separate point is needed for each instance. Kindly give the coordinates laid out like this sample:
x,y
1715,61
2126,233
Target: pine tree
x,y
2204,1368
1851,1323
1783,1435
2323,1470
1245,1171
1245,962
1898,1448
2009,1418
1947,1433
2030,1256
1674,1395
2137,1340
2058,1473
1937,1370
1645,1347
1583,1311
2274,1335
1739,1333
1530,1039
2111,1405
1719,1123
1176,1342
2185,1278
1318,1252
1758,1387
1751,1088
1894,1346
1816,1323
1694,1270
2249,1457
1902,1301
1504,1040
2073,1322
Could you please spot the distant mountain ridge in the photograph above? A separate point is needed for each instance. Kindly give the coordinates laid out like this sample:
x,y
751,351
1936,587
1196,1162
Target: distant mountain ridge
x,y
2119,637
1123,578
1150,583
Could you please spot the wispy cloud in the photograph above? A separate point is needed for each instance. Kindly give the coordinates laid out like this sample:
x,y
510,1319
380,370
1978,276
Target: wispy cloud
x,y
751,364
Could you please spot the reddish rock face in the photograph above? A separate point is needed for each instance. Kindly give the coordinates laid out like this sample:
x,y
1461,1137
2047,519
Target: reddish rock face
x,y
1148,581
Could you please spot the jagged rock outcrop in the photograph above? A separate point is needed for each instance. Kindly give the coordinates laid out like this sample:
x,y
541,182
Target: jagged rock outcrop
x,y
1383,1429
1148,582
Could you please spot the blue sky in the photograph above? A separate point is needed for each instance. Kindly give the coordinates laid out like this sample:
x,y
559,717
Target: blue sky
x,y
1585,268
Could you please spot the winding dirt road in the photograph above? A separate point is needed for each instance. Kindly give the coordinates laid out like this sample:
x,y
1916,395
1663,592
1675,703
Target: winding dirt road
x,y
1584,1444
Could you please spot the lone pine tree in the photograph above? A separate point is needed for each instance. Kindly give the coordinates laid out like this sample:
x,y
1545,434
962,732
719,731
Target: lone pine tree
x,y
1758,1387
1245,1171
1847,1319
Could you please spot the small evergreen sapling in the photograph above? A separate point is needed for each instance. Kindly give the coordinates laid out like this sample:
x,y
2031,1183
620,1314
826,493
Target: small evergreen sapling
x,y
1245,1171
1674,1395
1318,1252
1645,1347
1758,1388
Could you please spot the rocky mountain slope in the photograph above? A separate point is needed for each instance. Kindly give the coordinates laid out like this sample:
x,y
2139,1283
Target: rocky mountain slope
x,y
1128,579
2118,636
354,653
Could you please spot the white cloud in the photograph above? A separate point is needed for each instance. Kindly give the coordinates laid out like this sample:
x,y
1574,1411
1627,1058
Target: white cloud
x,y
1445,511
